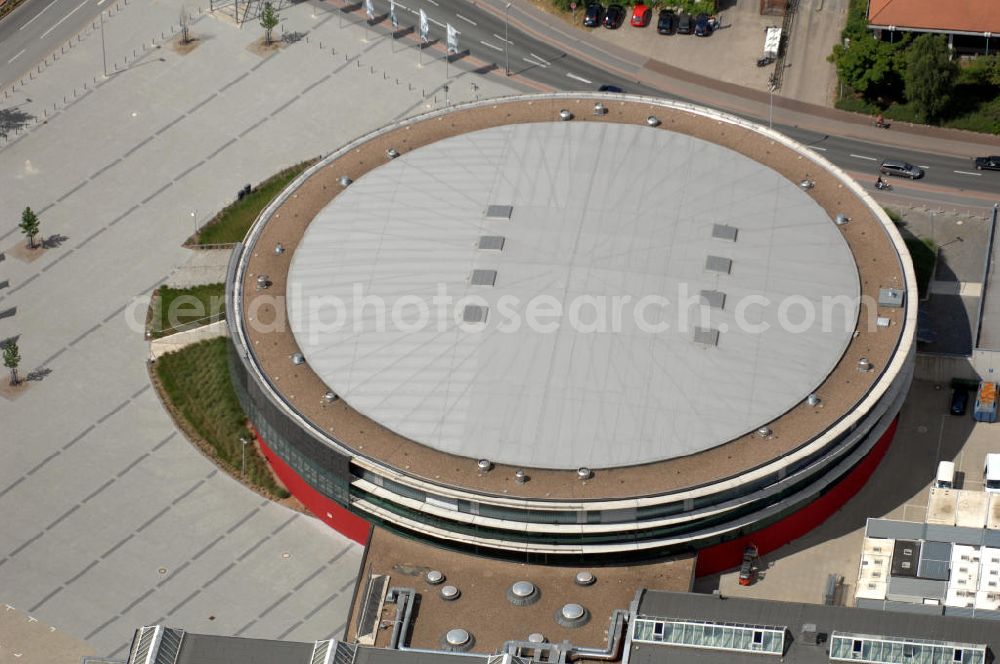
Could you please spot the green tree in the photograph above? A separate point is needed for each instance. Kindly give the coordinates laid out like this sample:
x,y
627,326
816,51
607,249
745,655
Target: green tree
x,y
29,226
930,75
268,21
868,65
11,359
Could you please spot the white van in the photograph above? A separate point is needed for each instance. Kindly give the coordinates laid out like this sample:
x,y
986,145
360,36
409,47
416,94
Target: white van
x,y
991,473
945,475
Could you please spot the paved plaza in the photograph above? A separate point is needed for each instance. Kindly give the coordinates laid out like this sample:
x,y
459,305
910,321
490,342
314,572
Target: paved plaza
x,y
110,518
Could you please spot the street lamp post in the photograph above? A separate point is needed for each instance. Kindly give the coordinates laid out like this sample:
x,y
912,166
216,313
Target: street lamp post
x,y
770,106
194,221
104,52
506,39
244,464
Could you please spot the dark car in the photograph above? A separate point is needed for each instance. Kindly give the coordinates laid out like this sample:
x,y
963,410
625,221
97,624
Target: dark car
x,y
900,169
614,18
959,401
988,163
594,15
610,88
702,26
666,22
684,24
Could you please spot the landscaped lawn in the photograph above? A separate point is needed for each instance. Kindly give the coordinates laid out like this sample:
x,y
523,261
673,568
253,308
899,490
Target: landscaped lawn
x,y
196,384
232,223
174,307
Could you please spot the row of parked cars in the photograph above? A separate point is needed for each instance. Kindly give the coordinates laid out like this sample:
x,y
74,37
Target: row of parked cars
x,y
668,22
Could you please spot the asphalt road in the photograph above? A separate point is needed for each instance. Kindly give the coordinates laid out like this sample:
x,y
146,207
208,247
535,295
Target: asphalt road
x,y
34,30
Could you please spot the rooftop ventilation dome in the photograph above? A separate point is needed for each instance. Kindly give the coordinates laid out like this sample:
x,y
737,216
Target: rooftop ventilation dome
x,y
584,473
523,593
565,115
536,637
584,578
572,615
298,358
279,249
814,400
653,121
434,577
344,180
457,640
392,153
450,593
484,465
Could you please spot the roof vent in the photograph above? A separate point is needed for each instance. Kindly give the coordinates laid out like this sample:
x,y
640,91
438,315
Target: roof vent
x,y
392,153
810,635
483,277
813,399
330,397
572,615
344,180
485,465
279,249
714,299
584,578
499,211
491,242
890,297
263,282
536,637
298,358
724,232
806,184
450,593
434,577
520,477
523,593
718,264
565,115
706,336
865,365
653,121
584,473
600,109
882,321
841,219
475,313
457,640
764,432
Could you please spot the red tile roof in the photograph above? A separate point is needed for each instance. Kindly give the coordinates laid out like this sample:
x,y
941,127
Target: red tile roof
x,y
945,15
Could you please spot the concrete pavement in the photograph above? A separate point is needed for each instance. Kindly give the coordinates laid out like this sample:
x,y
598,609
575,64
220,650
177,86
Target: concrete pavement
x,y
110,519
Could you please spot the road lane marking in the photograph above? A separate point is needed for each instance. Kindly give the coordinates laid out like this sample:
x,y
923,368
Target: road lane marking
x,y
580,78
32,19
506,41
534,62
493,46
540,59
815,147
78,7
433,3
861,156
467,20
978,175
926,168
19,53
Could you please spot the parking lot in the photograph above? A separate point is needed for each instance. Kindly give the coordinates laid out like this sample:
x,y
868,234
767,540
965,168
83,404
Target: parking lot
x,y
898,489
730,54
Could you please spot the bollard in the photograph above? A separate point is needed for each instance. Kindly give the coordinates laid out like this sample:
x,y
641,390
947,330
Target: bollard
x,y
385,76
371,69
321,46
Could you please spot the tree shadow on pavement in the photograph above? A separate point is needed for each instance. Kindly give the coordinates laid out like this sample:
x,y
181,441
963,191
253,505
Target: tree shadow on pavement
x,y
54,241
12,119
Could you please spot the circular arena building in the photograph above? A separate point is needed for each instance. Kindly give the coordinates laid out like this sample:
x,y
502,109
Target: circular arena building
x,y
574,328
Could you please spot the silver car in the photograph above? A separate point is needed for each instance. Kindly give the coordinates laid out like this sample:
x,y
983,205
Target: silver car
x,y
901,169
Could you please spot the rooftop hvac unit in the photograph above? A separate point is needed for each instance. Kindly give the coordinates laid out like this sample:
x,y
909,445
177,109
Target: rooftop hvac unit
x,y
810,634
877,549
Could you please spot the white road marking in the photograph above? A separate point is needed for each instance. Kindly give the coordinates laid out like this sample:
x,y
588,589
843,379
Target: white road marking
x,y
534,62
978,175
540,59
433,3
32,19
861,156
78,7
815,147
926,168
580,78
437,23
493,46
467,20
16,56
506,41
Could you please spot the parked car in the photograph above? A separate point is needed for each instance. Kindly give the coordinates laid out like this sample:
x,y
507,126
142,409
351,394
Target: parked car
x,y
610,88
614,17
959,401
900,169
641,15
991,163
702,26
749,566
594,15
684,24
666,22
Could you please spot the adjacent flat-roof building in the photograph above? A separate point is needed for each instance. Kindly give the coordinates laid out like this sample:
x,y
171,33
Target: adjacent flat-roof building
x,y
974,23
575,328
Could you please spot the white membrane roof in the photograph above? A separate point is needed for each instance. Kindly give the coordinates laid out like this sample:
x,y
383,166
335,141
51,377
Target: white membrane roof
x,y
600,212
